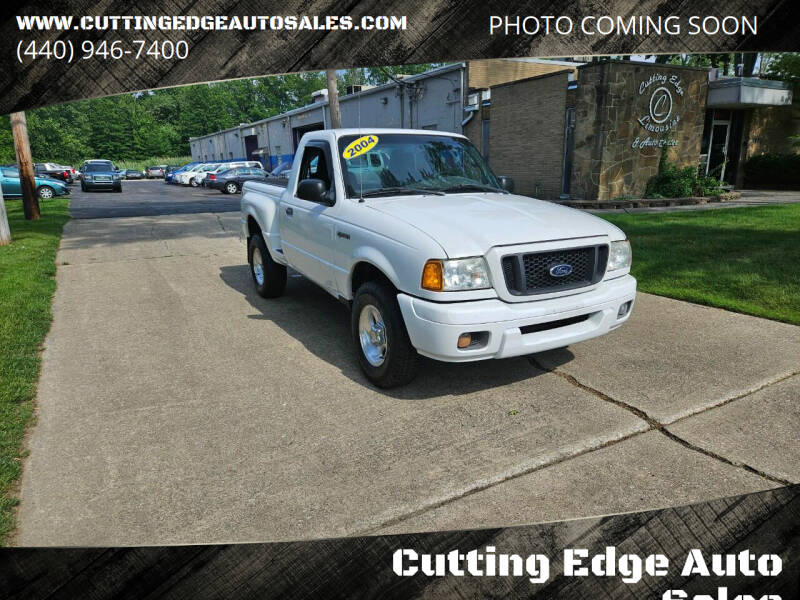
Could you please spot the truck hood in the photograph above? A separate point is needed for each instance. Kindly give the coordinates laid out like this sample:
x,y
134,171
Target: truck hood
x,y
472,224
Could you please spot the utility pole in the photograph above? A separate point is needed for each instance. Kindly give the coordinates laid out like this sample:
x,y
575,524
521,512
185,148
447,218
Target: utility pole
x,y
5,231
333,99
30,203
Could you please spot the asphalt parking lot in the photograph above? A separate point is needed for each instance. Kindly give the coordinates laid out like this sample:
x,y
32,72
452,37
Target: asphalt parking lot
x,y
177,406
142,197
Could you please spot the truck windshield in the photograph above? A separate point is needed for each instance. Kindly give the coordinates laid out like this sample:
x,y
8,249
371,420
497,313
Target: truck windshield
x,y
98,167
415,163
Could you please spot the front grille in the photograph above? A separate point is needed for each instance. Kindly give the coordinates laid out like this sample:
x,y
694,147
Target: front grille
x,y
527,274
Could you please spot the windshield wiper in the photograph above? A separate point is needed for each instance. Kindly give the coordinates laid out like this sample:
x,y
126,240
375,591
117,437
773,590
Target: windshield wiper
x,y
400,190
472,187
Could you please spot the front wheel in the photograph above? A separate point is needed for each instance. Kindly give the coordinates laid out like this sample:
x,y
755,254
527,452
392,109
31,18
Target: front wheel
x,y
231,188
45,192
268,276
384,349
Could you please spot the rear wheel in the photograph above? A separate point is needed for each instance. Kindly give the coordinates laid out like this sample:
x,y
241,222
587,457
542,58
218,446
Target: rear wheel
x,y
384,349
231,188
268,276
193,182
45,192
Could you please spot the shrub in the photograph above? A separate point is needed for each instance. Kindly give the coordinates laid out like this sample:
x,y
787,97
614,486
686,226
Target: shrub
x,y
674,182
773,169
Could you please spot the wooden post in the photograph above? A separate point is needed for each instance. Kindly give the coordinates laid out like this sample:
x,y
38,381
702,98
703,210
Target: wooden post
x,y
333,99
30,203
5,231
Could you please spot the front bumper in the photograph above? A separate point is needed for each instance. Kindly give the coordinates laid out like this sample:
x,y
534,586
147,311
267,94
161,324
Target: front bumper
x,y
434,328
102,185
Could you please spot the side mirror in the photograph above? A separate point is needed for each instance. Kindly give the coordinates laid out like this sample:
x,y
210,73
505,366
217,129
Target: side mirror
x,y
506,182
313,190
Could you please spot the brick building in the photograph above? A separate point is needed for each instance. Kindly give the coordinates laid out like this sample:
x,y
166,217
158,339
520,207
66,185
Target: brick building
x,y
561,129
597,132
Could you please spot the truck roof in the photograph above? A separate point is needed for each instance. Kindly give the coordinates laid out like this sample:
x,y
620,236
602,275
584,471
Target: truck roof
x,y
385,130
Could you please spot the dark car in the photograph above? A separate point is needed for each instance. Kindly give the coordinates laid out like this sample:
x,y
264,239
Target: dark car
x,y
230,181
53,171
132,174
100,175
169,173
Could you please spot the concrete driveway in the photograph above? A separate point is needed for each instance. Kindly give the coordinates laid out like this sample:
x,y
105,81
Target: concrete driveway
x,y
177,406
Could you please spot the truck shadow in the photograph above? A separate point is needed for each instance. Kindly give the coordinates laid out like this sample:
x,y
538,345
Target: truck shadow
x,y
322,325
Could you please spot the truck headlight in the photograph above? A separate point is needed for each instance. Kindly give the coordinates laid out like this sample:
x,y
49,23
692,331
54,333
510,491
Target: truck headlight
x,y
455,275
619,255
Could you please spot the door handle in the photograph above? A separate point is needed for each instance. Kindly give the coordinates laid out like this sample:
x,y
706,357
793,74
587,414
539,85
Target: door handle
x,y
289,211
343,235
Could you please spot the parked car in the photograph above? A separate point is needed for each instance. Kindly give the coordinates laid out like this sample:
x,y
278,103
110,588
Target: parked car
x,y
73,174
169,174
193,177
230,181
100,174
132,174
52,170
433,253
182,177
46,187
155,171
203,175
281,171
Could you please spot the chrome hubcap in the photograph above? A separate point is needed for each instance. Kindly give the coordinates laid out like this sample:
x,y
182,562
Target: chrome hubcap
x,y
231,188
372,334
258,266
45,193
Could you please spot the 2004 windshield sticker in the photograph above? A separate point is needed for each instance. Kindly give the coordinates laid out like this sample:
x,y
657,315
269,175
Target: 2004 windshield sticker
x,y
360,146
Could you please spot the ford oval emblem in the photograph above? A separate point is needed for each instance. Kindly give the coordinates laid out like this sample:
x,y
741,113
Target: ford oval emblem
x,y
560,270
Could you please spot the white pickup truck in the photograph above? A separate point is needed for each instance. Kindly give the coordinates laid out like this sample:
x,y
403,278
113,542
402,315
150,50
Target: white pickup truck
x,y
433,252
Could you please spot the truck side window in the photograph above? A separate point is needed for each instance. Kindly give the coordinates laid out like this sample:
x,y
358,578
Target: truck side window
x,y
314,165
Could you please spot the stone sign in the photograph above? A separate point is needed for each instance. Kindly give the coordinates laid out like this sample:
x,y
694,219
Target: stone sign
x,y
664,94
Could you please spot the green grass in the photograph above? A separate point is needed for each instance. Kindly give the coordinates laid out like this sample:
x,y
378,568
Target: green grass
x,y
745,260
27,283
140,165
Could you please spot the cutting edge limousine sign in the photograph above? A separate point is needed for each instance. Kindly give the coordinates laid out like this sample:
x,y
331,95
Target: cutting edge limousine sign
x,y
662,95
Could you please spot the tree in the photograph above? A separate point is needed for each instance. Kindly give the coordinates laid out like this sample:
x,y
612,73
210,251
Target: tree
x,y
30,202
160,122
782,65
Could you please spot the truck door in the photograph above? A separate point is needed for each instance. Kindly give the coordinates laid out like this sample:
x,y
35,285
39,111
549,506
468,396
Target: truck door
x,y
307,227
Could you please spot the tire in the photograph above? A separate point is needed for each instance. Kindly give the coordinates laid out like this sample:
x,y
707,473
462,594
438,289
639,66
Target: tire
x,y
83,187
270,278
388,359
118,189
193,182
45,192
231,188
